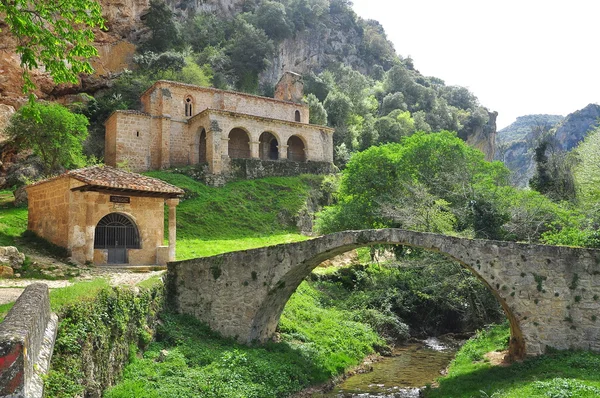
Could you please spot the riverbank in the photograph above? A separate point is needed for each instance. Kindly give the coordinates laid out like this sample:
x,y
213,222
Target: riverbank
x,y
558,374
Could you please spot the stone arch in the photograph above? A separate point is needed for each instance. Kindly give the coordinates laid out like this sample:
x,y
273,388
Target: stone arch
x,y
266,318
188,103
202,146
297,116
116,232
296,149
261,281
268,146
239,144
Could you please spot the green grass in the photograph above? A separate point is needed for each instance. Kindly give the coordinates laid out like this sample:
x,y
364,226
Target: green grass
x,y
79,291
558,374
317,342
194,248
241,215
151,282
13,220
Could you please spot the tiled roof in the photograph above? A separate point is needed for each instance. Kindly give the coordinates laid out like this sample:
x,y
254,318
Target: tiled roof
x,y
110,177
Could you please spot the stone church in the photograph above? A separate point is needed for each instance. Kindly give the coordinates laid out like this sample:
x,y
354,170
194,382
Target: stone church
x,y
185,125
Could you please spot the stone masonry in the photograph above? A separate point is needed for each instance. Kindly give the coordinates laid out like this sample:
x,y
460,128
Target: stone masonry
x,y
550,294
27,337
185,125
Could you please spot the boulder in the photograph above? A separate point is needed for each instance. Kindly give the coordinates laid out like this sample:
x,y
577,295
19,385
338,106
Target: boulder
x,y
20,197
6,272
24,172
11,257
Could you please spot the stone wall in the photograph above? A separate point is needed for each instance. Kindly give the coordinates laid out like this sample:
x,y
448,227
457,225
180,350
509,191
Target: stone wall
x,y
48,214
550,294
27,337
256,168
128,140
168,99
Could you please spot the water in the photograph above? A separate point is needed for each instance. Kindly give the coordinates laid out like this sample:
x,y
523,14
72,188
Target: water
x,y
400,376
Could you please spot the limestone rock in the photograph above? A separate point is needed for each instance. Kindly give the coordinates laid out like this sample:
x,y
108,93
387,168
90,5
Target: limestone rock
x,y
11,257
20,197
6,272
24,172
6,111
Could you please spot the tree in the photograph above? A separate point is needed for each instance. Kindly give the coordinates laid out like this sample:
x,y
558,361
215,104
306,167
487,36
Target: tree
x,y
56,35
164,35
272,18
56,137
318,114
249,50
338,106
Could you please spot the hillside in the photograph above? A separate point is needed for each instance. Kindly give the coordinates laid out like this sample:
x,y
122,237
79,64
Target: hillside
x,y
361,86
517,142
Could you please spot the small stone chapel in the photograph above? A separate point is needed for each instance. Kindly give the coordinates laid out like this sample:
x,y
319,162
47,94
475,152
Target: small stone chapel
x,y
104,215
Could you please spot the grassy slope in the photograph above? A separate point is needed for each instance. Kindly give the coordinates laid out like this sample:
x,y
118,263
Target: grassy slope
x,y
241,215
561,374
13,221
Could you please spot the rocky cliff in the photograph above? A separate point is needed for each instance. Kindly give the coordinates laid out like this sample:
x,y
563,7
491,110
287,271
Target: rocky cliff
x,y
342,38
516,143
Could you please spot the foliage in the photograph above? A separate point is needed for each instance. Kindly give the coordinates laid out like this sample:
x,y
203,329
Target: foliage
x,y
318,114
57,36
553,173
556,374
56,137
423,170
164,35
250,50
426,291
98,329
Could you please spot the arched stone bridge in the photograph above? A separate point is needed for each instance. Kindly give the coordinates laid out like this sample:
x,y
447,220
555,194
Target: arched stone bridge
x,y
550,294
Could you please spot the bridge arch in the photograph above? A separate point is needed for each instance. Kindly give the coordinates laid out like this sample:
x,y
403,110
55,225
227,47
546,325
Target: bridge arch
x,y
267,316
242,294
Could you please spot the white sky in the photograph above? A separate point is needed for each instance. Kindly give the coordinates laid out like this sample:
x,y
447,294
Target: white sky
x,y
518,57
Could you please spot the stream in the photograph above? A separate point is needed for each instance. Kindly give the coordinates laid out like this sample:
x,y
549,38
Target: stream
x,y
402,375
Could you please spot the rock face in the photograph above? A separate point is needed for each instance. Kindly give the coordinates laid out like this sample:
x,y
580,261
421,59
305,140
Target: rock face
x,y
484,137
571,131
11,257
516,143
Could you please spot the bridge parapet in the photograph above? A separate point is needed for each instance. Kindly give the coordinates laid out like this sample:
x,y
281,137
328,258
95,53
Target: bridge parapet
x,y
550,294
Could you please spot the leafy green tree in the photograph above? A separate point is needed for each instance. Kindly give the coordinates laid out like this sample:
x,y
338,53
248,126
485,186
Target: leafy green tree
x,y
56,137
164,34
553,173
318,114
272,18
439,169
207,29
339,107
249,50
56,35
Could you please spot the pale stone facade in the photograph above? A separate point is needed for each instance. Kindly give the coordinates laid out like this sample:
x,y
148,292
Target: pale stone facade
x,y
71,210
185,125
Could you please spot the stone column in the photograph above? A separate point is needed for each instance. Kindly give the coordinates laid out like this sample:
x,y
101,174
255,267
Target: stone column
x,y
283,151
254,149
172,203
89,227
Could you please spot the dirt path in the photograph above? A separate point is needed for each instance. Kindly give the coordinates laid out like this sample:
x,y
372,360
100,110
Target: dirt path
x,y
11,289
